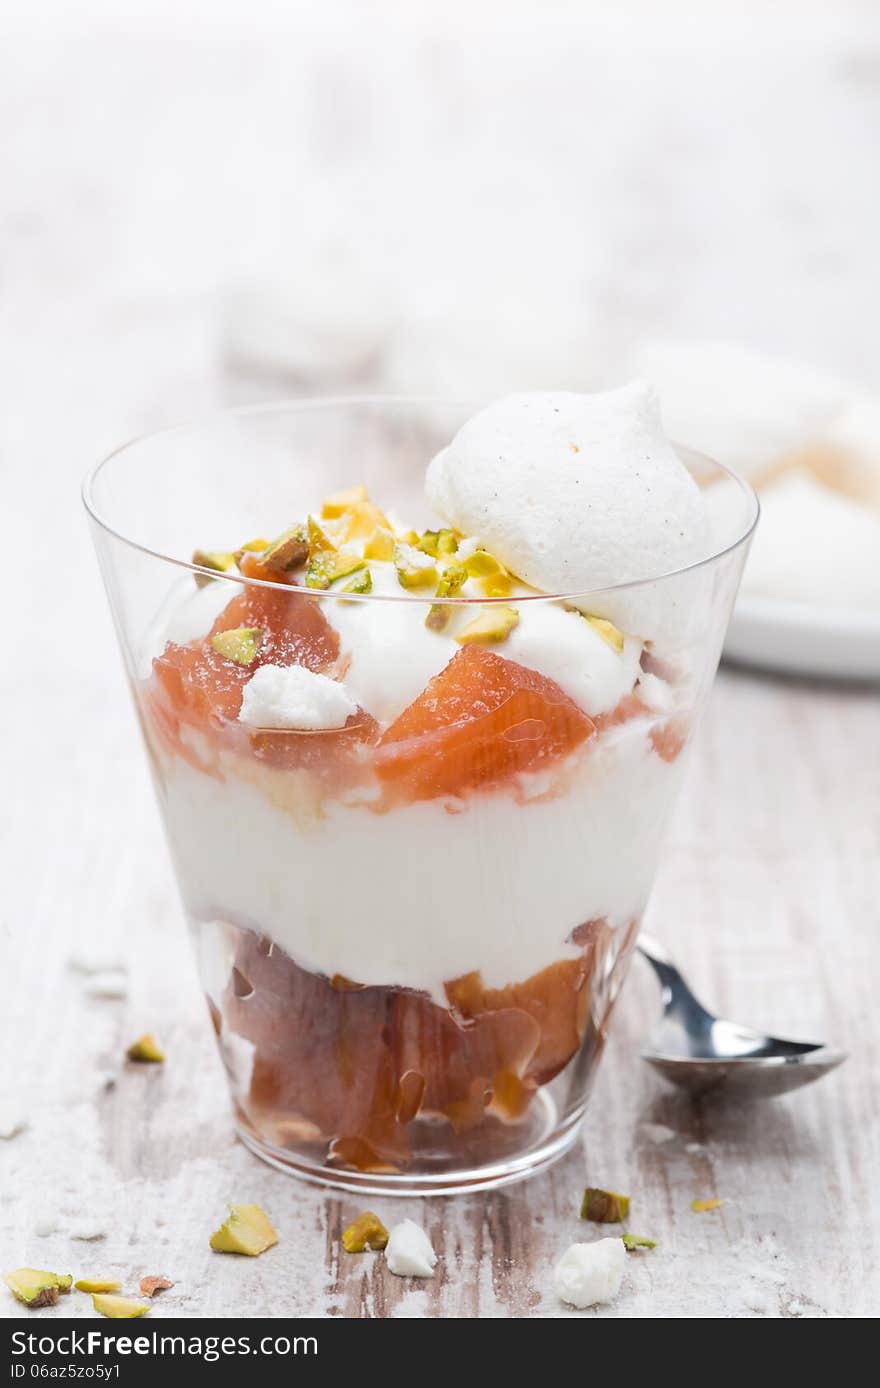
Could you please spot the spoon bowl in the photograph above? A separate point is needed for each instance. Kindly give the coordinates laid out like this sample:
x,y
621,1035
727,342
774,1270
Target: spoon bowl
x,y
699,1052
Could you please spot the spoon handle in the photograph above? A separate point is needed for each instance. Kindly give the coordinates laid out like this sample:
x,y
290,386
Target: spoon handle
x,y
660,962
677,996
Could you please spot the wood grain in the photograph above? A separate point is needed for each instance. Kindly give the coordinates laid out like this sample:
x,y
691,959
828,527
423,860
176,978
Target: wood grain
x,y
768,888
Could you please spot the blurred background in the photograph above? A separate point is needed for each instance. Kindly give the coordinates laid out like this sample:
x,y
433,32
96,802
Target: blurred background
x,y
206,204
430,195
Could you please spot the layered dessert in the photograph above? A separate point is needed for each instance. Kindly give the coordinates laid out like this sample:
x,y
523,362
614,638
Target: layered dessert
x,y
415,777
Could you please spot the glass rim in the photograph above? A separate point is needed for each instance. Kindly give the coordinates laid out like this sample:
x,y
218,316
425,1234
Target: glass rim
x,y
310,403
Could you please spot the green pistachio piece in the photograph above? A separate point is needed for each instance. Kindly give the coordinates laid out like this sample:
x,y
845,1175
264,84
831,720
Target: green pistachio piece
x,y
326,562
495,624
215,559
36,1288
380,545
498,585
340,502
367,1231
633,1241
146,1050
607,630
604,1206
452,580
247,1230
97,1284
289,550
438,543
361,583
413,568
322,557
241,644
119,1307
480,564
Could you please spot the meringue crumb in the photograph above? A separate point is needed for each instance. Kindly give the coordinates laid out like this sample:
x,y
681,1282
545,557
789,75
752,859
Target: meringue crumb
x,y
290,696
409,1252
588,1274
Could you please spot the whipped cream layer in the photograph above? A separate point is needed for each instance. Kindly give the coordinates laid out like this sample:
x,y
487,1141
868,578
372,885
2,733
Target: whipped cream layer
x,y
575,494
388,655
421,895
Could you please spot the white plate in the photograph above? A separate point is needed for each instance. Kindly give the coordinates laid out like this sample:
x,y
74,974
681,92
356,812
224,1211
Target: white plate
x,y
800,639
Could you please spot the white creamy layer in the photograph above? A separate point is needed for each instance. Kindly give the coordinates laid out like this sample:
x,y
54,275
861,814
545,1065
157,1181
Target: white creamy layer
x,y
392,655
421,895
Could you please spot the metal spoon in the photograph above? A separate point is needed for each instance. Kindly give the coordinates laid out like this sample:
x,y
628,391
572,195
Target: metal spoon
x,y
693,1049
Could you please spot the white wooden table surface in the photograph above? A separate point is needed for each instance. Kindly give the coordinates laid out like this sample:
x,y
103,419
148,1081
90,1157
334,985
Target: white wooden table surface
x,y
768,890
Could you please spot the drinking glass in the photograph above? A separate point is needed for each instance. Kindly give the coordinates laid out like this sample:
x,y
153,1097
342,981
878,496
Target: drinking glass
x,y
411,929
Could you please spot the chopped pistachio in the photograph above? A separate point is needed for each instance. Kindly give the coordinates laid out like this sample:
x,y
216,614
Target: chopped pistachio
x,y
480,564
322,557
380,545
607,630
414,569
149,1286
348,564
498,585
700,1206
604,1206
97,1284
361,583
335,505
438,543
452,580
408,537
326,562
215,559
145,1049
36,1288
288,551
633,1241
120,1308
247,1230
367,1231
359,522
240,644
495,624
438,617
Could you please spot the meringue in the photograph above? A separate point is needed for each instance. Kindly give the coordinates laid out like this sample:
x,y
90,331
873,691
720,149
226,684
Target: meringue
x,y
575,493
590,1273
290,696
408,1252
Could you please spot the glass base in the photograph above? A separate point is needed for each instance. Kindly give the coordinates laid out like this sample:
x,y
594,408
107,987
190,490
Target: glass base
x,y
548,1140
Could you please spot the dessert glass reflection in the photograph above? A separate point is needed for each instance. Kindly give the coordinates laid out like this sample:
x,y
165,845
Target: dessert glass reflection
x,y
414,770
